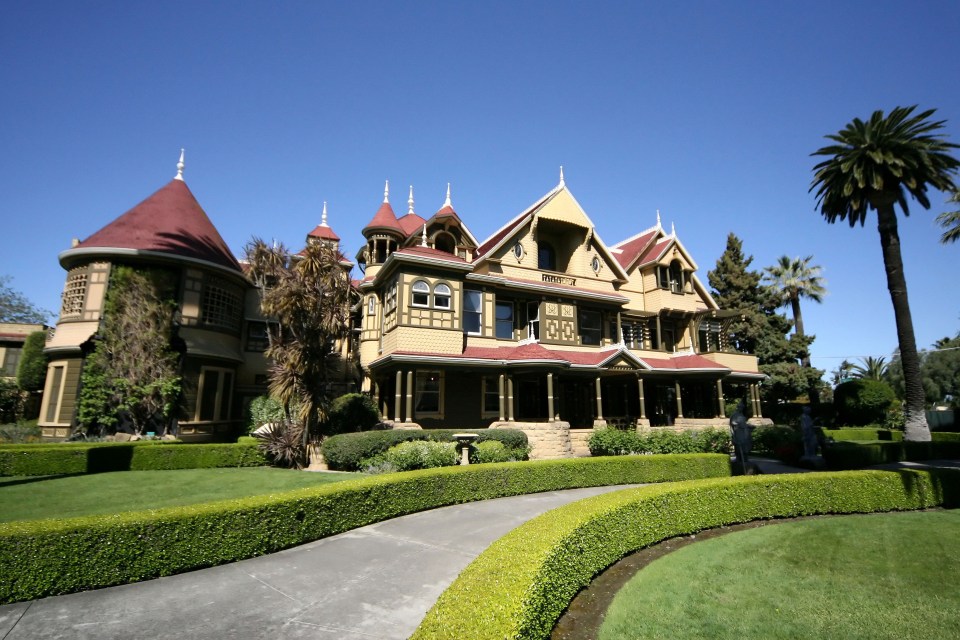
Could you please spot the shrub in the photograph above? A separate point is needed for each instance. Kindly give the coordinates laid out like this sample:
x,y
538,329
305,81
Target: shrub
x,y
860,454
352,412
82,457
862,401
538,567
863,434
415,454
779,441
345,452
495,451
32,368
20,433
264,410
614,442
48,557
283,444
11,401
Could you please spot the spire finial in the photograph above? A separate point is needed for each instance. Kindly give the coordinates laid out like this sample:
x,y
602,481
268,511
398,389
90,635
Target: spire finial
x,y
673,230
562,182
410,201
179,175
446,202
659,226
323,216
386,192
423,235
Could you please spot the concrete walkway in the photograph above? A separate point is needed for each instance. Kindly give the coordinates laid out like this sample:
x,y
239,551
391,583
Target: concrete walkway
x,y
376,582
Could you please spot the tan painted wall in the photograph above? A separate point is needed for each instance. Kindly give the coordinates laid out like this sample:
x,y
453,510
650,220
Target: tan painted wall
x,y
736,361
64,402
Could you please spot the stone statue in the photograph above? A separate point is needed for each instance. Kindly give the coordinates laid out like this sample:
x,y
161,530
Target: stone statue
x,y
809,434
742,436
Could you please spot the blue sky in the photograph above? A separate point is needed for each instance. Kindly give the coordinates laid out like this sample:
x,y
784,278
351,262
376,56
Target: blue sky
x,y
707,111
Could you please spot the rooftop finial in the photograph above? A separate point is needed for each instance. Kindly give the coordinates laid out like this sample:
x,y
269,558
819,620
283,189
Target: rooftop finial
x,y
386,192
423,236
410,201
673,230
659,226
323,216
446,202
562,182
179,175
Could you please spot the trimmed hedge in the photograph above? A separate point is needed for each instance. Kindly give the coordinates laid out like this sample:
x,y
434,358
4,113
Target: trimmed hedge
x,y
345,452
521,584
860,454
860,435
615,442
60,459
48,557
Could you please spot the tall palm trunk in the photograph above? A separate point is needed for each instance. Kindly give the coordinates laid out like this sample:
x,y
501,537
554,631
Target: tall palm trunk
x,y
798,325
916,427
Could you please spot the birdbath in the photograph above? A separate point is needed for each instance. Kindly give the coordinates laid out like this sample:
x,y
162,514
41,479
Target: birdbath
x,y
464,440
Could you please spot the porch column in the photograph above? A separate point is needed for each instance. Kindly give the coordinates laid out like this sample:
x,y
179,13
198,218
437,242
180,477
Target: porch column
x,y
643,402
721,410
502,397
550,413
620,329
409,396
659,336
398,401
510,399
599,401
755,389
676,386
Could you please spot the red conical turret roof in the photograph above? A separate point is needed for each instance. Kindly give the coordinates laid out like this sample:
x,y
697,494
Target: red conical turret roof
x,y
170,221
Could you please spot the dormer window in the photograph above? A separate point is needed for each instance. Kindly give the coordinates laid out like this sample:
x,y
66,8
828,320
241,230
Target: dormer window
x,y
443,241
672,277
546,256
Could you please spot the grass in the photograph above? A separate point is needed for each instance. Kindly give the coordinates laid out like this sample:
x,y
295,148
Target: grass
x,y
35,498
854,577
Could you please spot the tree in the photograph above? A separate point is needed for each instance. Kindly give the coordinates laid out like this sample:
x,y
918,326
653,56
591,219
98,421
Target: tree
x,y
871,368
32,368
873,165
939,371
950,221
842,373
131,378
761,330
307,298
793,279
14,306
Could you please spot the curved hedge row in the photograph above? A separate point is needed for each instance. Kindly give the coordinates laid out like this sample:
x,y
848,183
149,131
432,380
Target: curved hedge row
x,y
47,557
61,459
520,585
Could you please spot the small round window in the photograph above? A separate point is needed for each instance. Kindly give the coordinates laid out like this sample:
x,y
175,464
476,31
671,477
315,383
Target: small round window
x,y
518,251
595,263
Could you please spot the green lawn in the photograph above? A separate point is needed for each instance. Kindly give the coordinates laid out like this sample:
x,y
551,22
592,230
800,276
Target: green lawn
x,y
855,577
34,498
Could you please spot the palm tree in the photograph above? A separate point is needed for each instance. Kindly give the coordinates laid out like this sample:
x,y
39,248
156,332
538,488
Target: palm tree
x,y
871,368
868,167
793,279
950,221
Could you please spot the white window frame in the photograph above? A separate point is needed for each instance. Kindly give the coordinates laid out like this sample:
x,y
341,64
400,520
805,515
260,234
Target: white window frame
x,y
470,312
438,295
420,288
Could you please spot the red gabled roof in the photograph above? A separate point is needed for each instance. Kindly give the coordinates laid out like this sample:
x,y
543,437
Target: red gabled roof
x,y
655,251
384,218
324,232
446,211
169,221
493,240
630,249
411,223
691,361
430,252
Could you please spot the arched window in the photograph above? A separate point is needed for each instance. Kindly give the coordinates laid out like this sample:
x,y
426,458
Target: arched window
x,y
546,256
421,294
443,241
676,277
441,296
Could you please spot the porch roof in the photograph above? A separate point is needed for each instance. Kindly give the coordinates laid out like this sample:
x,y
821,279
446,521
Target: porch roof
x,y
536,354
